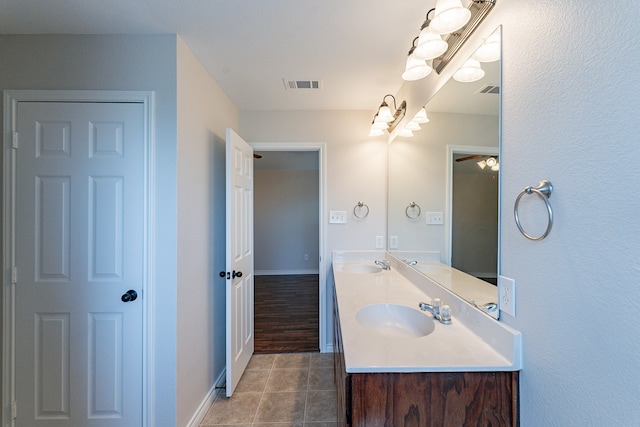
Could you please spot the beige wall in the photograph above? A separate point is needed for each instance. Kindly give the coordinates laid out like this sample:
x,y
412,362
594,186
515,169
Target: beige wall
x,y
204,112
286,220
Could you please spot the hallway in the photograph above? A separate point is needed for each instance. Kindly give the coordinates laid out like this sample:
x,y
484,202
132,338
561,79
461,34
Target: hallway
x,y
280,390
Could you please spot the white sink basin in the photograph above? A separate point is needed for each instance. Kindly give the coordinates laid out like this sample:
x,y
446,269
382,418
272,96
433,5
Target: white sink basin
x,y
394,320
361,268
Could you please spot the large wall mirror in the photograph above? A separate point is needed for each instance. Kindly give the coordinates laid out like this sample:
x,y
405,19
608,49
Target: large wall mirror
x,y
444,185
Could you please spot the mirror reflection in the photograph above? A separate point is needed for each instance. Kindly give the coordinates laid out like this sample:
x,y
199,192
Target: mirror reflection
x,y
443,184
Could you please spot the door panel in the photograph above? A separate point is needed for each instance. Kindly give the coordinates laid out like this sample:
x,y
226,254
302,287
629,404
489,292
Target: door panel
x,y
239,325
79,246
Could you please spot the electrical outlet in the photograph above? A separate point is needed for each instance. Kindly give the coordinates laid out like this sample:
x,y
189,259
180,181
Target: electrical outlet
x,y
379,242
337,217
393,242
306,257
507,295
435,218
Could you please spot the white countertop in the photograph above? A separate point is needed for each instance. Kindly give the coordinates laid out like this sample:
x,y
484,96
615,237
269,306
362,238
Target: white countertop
x,y
473,342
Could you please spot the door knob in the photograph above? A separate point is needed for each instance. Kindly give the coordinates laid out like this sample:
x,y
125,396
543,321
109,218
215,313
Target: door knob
x,y
129,296
231,275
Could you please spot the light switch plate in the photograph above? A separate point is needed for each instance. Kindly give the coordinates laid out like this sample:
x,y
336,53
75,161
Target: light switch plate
x,y
507,295
435,218
337,217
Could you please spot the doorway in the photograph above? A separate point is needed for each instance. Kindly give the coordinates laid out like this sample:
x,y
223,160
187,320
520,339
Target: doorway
x,y
288,241
473,211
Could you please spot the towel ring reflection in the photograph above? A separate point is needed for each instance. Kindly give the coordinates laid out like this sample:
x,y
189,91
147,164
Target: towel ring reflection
x,y
412,207
361,210
543,190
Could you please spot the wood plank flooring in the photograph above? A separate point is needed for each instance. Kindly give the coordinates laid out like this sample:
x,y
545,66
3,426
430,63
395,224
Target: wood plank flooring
x,y
286,314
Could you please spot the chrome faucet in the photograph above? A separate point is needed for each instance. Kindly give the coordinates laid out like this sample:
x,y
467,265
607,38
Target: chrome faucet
x,y
384,264
441,312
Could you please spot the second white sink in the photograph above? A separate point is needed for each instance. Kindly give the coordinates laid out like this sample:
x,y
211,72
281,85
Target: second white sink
x,y
395,320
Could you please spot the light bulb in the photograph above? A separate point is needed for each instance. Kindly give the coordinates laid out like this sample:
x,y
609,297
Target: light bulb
x,y
413,126
430,45
490,49
449,16
416,69
421,116
379,125
406,133
375,132
384,113
469,72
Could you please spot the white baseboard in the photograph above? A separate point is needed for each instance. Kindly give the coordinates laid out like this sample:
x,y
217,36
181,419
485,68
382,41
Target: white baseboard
x,y
206,404
284,272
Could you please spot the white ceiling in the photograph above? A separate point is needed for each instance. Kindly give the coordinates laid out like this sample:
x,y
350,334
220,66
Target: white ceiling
x,y
357,48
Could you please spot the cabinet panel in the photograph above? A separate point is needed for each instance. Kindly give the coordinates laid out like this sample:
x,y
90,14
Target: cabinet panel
x,y
434,399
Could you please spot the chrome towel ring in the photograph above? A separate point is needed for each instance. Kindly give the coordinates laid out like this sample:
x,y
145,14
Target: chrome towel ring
x,y
412,207
543,190
361,210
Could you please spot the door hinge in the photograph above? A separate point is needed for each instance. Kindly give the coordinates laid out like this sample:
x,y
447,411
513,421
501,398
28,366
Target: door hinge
x,y
14,143
14,275
14,410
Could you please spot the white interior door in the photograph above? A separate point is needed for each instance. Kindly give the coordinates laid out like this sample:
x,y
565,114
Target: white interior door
x,y
79,249
239,264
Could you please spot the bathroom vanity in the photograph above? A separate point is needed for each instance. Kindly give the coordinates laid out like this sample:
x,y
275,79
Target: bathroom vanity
x,y
396,365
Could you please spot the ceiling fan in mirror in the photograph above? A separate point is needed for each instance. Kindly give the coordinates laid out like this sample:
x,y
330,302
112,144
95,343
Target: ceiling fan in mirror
x,y
487,161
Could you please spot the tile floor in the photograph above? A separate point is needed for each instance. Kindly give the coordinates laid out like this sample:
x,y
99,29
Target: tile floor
x,y
280,390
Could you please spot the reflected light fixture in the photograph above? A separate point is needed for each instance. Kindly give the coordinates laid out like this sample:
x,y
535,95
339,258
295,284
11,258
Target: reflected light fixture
x,y
430,45
490,49
421,116
491,162
415,68
411,125
407,133
449,16
470,71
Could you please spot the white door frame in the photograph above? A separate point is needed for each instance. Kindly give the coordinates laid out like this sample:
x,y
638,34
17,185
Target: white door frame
x,y
321,149
11,99
461,149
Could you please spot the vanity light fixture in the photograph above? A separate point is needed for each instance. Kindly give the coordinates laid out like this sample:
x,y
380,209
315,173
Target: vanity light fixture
x,y
430,45
449,16
384,112
415,68
385,119
470,71
478,9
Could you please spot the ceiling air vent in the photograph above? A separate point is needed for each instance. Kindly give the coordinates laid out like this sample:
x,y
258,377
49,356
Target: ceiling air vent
x,y
301,84
493,89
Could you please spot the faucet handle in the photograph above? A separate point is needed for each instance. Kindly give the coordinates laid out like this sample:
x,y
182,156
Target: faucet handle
x,y
445,314
436,303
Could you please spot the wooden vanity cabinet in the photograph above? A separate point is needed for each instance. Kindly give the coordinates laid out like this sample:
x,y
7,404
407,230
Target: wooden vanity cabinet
x,y
419,399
